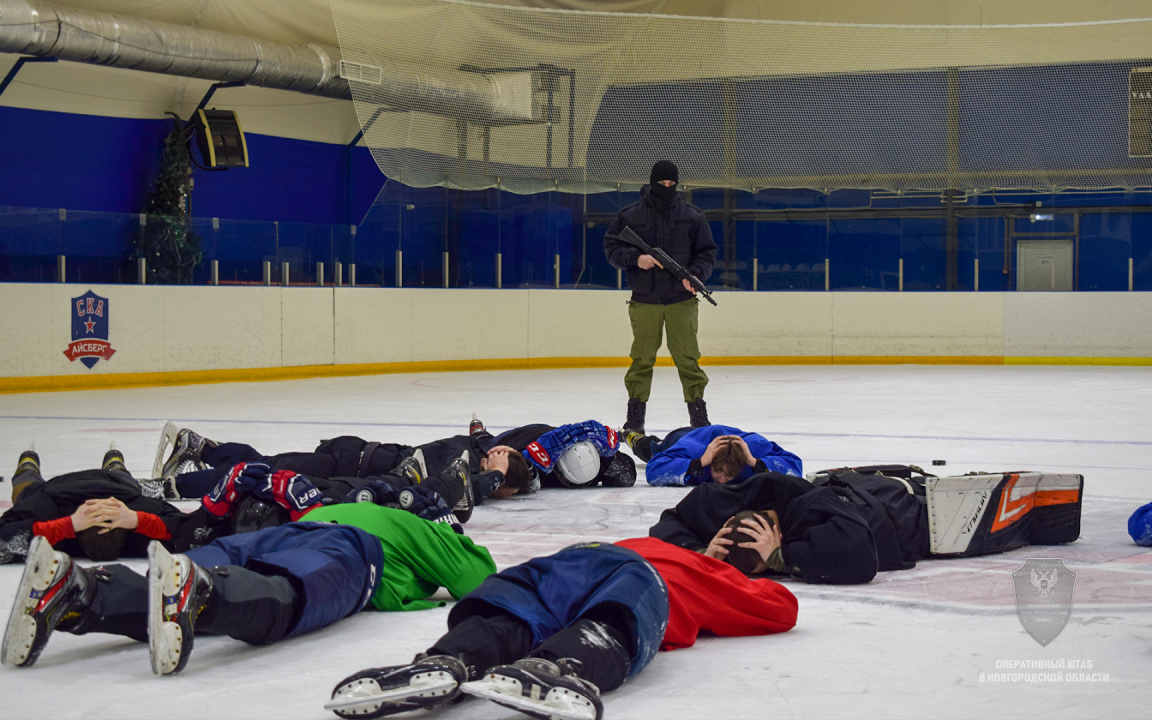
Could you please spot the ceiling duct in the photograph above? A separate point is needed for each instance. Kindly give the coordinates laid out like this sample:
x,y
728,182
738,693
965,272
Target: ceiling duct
x,y
44,29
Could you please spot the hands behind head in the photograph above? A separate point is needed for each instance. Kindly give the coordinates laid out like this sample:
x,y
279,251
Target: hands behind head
x,y
766,536
106,513
497,459
719,442
717,548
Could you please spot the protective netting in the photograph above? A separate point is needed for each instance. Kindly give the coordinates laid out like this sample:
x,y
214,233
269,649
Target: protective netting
x,y
472,95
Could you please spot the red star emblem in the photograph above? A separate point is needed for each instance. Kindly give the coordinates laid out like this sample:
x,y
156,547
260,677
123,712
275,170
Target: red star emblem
x,y
90,323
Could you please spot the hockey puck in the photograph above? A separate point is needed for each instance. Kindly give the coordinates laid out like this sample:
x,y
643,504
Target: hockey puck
x,y
939,462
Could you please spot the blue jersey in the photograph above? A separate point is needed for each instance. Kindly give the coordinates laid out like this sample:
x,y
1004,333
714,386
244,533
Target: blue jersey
x,y
669,466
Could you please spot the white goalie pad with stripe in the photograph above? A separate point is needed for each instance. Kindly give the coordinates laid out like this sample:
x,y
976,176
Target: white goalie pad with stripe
x,y
975,514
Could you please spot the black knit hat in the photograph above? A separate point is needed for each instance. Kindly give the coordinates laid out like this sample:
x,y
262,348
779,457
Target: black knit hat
x,y
664,170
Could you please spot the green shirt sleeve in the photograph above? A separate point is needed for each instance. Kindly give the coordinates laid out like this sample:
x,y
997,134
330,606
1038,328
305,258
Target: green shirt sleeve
x,y
419,556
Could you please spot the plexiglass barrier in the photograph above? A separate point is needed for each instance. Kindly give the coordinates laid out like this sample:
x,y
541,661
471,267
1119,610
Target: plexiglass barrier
x,y
767,241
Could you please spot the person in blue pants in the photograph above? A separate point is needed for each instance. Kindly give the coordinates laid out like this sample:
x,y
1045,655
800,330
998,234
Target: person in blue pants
x,y
258,587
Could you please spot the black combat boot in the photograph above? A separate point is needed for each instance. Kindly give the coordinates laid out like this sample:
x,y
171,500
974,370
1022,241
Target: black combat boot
x,y
698,413
635,421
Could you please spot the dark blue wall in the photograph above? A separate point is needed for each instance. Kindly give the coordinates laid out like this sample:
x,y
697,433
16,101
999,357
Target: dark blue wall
x,y
101,164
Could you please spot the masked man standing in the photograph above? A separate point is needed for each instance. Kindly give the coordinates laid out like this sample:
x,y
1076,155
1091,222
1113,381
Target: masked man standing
x,y
659,300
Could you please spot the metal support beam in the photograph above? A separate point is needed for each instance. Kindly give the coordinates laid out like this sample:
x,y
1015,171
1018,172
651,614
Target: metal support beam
x,y
16,69
952,114
212,91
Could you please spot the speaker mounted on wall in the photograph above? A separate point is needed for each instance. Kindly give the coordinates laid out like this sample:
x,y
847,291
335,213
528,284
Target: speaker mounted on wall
x,y
220,138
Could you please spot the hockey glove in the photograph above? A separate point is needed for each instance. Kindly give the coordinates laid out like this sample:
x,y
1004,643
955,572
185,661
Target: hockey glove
x,y
426,503
218,503
376,491
295,493
544,452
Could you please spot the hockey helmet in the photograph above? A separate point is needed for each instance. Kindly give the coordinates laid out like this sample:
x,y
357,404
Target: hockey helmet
x,y
579,465
253,513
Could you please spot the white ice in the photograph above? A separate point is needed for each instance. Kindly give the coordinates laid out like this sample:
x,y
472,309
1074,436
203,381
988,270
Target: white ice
x,y
910,644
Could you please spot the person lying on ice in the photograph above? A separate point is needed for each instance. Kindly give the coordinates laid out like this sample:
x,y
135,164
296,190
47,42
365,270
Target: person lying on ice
x,y
849,523
195,464
549,636
574,455
824,538
258,587
97,513
714,453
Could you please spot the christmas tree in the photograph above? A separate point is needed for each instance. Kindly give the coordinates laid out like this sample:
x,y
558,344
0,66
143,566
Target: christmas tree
x,y
166,241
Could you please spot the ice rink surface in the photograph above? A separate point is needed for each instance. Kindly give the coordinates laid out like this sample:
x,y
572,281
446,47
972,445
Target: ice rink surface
x,y
910,644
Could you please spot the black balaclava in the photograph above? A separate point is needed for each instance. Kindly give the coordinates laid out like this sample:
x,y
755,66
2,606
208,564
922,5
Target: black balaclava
x,y
664,170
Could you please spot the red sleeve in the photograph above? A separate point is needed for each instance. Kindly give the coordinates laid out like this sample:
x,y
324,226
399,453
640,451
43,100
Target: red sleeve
x,y
709,594
55,530
152,526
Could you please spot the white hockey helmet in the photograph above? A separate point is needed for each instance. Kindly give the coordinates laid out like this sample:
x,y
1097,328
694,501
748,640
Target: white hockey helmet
x,y
579,465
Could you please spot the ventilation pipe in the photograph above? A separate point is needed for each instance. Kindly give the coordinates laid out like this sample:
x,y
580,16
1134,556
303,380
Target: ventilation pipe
x,y
43,29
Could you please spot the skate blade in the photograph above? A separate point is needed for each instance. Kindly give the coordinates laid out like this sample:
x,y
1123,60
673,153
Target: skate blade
x,y
39,572
369,695
419,455
508,694
167,440
164,638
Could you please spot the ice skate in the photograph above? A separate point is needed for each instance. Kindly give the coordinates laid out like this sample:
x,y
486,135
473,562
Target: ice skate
x,y
167,441
51,590
113,460
159,488
412,467
377,692
539,688
185,455
459,468
29,460
178,590
629,437
476,426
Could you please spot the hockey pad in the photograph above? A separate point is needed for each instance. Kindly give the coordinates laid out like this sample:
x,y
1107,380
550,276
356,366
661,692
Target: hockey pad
x,y
995,512
912,477
548,448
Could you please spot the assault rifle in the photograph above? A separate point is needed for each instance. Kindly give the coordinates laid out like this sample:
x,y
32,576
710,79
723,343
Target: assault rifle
x,y
681,273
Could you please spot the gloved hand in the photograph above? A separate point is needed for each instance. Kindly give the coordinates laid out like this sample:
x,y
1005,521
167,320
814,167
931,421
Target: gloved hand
x,y
220,500
295,493
426,503
376,491
544,452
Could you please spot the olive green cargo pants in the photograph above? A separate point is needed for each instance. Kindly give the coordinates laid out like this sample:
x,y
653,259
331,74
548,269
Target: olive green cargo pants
x,y
682,322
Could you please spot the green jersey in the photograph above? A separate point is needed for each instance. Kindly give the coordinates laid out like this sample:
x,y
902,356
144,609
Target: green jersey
x,y
419,556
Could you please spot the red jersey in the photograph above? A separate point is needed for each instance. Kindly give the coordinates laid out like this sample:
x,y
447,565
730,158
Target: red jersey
x,y
709,594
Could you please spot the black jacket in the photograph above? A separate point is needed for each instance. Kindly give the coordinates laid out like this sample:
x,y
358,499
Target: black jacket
x,y
825,539
676,226
60,496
